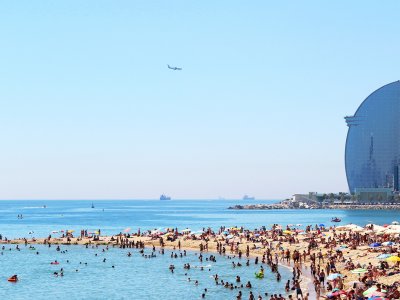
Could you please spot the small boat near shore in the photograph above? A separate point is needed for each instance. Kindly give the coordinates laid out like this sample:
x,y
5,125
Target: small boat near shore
x,y
165,197
336,220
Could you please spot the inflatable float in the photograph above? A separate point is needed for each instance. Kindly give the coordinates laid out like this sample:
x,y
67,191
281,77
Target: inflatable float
x,y
259,275
54,263
12,279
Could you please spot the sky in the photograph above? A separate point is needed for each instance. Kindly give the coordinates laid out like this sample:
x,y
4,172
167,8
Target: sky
x,y
89,109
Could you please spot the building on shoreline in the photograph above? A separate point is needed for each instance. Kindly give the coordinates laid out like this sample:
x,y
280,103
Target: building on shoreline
x,y
372,155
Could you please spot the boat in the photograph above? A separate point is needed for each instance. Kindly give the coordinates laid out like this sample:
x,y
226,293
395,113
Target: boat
x,y
165,197
92,205
335,219
246,197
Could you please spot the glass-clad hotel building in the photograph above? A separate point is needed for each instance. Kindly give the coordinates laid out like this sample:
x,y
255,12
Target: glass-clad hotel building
x,y
372,154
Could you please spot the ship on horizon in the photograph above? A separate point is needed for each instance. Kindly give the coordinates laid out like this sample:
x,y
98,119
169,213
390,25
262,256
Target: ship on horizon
x,y
165,197
247,197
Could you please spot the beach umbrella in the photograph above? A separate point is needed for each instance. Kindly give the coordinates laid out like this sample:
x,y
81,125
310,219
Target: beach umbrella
x,y
374,294
127,229
393,259
370,291
321,225
359,271
198,232
374,245
392,230
388,244
333,276
341,228
383,256
354,227
287,232
229,236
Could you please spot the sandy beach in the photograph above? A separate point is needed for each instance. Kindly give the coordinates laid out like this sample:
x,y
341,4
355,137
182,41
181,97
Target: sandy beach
x,y
349,248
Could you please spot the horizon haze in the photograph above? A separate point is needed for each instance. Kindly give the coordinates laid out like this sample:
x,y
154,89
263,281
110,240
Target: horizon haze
x,y
90,110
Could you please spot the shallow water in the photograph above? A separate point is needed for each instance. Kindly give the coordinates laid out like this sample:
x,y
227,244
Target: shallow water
x,y
132,278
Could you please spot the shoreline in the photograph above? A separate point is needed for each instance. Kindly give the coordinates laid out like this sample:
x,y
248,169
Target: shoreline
x,y
326,207
306,283
348,247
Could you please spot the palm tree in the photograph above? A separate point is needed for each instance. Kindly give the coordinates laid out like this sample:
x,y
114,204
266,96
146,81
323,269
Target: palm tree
x,y
342,198
332,198
325,197
371,199
353,199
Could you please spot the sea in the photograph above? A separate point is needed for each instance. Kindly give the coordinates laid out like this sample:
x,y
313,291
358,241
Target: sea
x,y
87,276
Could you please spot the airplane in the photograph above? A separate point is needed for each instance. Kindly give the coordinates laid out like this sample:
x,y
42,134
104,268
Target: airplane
x,y
174,68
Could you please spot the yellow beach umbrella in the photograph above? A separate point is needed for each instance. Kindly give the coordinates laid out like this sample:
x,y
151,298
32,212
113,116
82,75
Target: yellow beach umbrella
x,y
393,258
287,232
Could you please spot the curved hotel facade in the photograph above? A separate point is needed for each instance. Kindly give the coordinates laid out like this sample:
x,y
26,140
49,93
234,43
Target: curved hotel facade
x,y
372,154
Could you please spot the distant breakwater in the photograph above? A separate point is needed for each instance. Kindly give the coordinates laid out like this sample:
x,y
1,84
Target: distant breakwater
x,y
333,206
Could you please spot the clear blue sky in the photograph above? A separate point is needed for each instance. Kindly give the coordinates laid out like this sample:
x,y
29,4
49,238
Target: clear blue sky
x,y
89,109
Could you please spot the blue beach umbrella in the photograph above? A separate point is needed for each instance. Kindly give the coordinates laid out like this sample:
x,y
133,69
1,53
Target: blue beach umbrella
x,y
388,244
374,245
384,256
321,225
